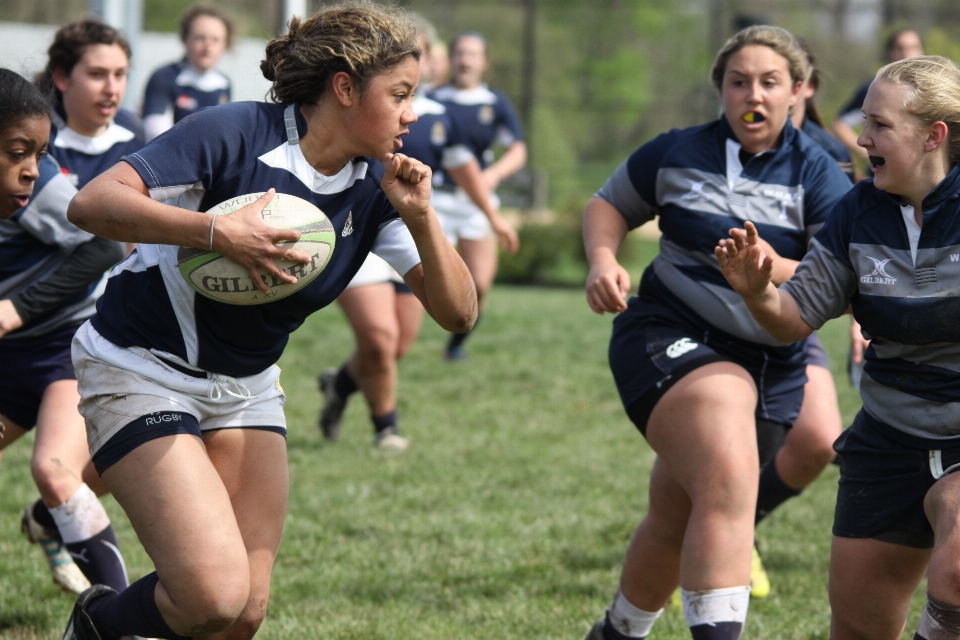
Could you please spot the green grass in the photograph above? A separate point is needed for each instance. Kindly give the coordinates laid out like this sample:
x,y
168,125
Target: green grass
x,y
508,517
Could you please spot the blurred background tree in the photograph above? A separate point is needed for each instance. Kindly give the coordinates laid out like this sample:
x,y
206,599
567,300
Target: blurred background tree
x,y
594,79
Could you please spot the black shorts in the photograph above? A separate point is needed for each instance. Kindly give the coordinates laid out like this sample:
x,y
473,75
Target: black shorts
x,y
27,367
652,348
884,476
816,354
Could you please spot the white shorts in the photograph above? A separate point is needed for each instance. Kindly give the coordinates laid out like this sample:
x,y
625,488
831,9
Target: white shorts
x,y
375,270
460,218
119,387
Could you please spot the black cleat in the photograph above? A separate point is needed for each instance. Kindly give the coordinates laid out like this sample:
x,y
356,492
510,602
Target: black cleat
x,y
81,626
333,405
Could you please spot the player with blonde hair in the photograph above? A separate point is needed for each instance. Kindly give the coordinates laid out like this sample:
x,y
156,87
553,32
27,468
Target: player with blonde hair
x,y
697,376
889,250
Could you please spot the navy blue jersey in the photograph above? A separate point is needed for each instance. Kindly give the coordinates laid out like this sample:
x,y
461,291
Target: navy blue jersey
x,y
82,159
484,116
35,243
177,90
906,299
214,155
434,139
829,144
694,181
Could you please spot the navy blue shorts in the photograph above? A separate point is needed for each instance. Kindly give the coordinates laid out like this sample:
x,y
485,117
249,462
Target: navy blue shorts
x,y
884,476
816,354
27,367
652,348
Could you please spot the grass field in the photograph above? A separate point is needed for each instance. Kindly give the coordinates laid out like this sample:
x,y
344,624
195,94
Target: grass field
x,y
508,517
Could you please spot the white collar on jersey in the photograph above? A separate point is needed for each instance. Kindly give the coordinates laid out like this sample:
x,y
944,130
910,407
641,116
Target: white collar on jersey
x,y
424,106
289,157
67,138
209,80
480,95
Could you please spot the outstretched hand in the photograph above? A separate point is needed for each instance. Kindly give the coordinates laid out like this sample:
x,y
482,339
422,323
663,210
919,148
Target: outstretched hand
x,y
743,262
244,238
407,183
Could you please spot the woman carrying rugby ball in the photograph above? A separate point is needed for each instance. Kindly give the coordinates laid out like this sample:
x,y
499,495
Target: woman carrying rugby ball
x,y
180,392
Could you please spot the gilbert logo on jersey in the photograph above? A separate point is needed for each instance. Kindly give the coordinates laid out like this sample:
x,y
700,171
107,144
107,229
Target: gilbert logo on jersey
x,y
186,102
72,177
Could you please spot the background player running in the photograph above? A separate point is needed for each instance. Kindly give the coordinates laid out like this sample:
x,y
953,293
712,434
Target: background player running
x,y
791,459
86,73
383,313
178,89
51,274
889,250
695,373
184,410
484,117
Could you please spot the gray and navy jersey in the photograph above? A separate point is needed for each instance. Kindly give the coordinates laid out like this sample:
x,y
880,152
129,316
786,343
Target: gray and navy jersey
x,y
484,116
904,286
434,139
693,179
82,159
209,157
34,244
851,114
177,90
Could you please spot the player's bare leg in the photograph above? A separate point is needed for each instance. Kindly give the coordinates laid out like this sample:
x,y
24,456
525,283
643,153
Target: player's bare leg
x,y
183,514
703,493
481,257
809,446
371,311
871,583
258,494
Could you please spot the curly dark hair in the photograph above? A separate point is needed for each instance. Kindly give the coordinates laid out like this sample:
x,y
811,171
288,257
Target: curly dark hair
x,y
361,38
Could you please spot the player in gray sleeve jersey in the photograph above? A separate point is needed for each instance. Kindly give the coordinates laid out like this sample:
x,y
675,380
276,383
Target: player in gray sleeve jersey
x,y
51,274
889,250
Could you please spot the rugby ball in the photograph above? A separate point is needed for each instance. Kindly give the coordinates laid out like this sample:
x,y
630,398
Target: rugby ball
x,y
214,276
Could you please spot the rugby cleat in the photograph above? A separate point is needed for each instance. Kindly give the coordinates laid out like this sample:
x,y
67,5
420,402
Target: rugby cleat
x,y
81,626
389,441
759,581
455,354
333,405
596,631
63,569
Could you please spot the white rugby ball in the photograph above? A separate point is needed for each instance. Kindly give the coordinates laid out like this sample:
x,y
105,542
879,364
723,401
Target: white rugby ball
x,y
216,277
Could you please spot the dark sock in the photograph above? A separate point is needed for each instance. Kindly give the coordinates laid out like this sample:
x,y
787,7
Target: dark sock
x,y
717,631
610,632
99,559
344,385
457,339
773,491
771,436
385,421
43,517
917,636
132,612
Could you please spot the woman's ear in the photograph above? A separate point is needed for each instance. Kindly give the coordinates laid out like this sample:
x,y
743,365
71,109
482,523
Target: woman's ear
x,y
344,88
939,132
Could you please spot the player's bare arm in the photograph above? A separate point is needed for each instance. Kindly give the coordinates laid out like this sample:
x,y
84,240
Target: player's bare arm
x,y
748,270
441,281
603,231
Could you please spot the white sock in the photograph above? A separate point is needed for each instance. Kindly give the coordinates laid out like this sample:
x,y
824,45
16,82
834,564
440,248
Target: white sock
x,y
81,517
715,605
629,620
